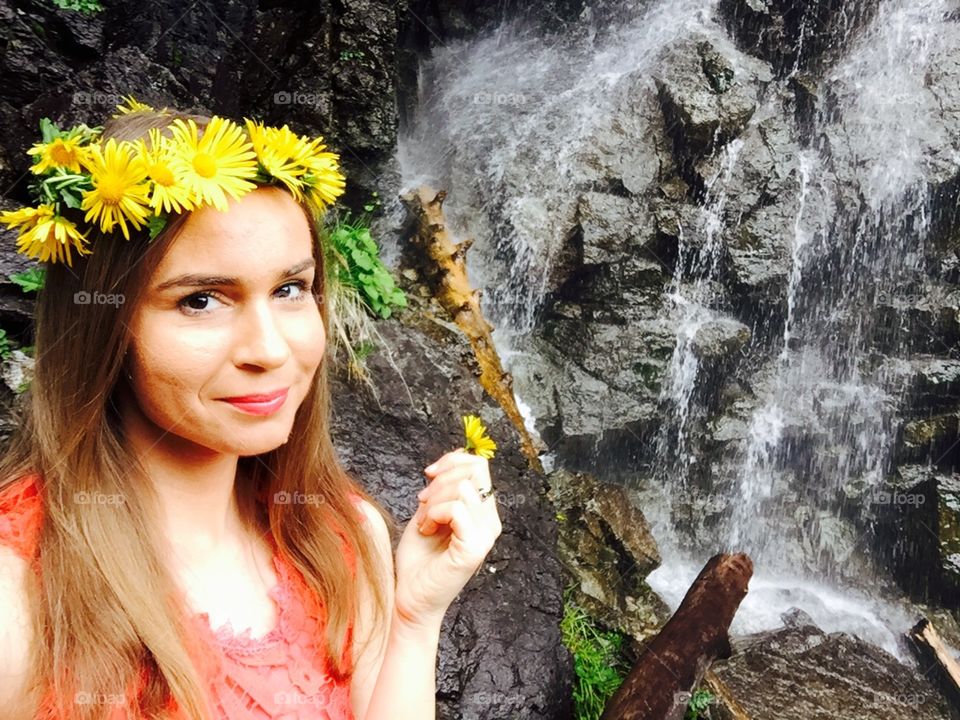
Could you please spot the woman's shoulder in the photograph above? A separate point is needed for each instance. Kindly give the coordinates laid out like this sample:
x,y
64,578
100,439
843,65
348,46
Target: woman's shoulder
x,y
21,514
19,526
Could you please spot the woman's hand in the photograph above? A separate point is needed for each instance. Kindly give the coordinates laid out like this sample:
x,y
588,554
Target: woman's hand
x,y
434,562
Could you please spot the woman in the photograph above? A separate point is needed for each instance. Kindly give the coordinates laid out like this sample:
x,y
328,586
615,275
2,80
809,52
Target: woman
x,y
151,505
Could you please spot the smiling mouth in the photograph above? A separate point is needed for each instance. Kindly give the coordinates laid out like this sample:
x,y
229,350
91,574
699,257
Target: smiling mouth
x,y
258,398
264,404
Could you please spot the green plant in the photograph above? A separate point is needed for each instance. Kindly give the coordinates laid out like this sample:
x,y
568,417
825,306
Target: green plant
x,y
700,700
598,662
88,7
356,257
5,348
29,280
374,204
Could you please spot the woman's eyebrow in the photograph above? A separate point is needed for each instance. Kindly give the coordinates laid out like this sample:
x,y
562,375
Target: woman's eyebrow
x,y
198,280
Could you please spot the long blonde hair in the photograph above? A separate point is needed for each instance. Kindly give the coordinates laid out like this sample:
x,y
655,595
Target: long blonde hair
x,y
104,610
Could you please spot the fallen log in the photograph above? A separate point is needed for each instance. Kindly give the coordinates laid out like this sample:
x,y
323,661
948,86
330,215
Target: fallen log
x,y
936,662
673,662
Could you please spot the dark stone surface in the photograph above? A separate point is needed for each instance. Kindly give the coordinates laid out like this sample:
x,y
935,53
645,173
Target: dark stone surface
x,y
500,649
802,672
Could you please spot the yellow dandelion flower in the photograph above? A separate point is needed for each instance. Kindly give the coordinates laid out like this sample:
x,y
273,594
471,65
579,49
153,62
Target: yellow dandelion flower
x,y
168,194
120,187
52,239
219,163
26,218
129,105
476,439
61,152
324,179
282,154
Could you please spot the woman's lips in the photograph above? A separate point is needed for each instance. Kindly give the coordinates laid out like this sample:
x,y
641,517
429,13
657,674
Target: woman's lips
x,y
263,404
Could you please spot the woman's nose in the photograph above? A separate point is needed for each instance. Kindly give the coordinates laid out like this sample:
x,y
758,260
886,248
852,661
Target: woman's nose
x,y
261,340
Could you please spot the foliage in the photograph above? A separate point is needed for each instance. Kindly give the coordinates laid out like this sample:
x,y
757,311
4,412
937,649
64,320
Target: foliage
x,y
30,280
598,662
87,7
5,347
700,700
356,257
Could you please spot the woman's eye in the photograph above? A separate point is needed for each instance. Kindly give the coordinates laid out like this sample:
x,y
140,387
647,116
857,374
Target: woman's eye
x,y
302,289
190,303
196,298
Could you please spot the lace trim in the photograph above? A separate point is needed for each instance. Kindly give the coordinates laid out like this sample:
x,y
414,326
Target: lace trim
x,y
20,516
289,590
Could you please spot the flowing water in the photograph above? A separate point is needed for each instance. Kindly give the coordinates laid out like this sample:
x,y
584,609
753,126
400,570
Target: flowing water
x,y
501,123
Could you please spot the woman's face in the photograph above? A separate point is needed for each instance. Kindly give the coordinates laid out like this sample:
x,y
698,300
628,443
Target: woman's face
x,y
229,313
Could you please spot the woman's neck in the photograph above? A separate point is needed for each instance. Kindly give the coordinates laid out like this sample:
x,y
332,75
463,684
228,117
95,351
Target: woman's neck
x,y
195,486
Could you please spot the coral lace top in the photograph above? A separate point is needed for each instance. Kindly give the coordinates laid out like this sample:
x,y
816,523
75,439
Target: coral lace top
x,y
280,675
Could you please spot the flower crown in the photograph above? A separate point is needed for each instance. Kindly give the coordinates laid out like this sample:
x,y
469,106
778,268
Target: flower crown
x,y
121,183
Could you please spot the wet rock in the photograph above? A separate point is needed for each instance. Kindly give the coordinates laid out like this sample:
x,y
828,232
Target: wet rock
x,y
708,92
323,69
793,35
612,227
575,410
927,321
916,515
802,673
17,370
720,338
928,383
606,544
630,151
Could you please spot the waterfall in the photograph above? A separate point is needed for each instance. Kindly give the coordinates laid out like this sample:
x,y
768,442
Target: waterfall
x,y
502,124
502,119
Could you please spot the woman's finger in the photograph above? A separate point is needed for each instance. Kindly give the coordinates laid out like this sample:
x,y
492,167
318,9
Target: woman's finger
x,y
477,469
448,460
463,492
454,514
474,466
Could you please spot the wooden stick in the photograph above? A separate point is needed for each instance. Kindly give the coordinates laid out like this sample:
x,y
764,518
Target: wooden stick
x,y
658,687
444,266
935,660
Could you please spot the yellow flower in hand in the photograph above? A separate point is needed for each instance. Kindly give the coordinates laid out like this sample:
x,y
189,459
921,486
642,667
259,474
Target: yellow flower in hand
x,y
476,439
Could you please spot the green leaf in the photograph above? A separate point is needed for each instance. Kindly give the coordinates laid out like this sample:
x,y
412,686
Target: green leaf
x,y
48,130
29,280
362,259
156,224
70,199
